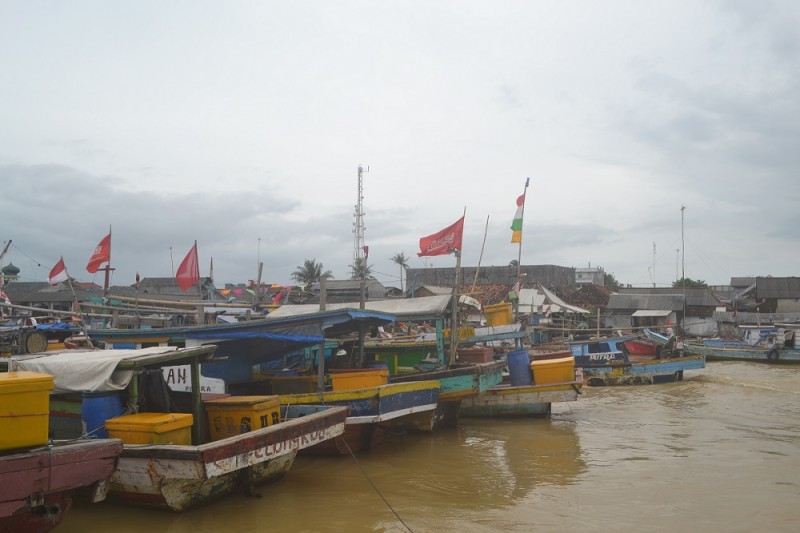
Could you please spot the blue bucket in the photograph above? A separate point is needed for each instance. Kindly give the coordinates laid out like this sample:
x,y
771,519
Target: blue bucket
x,y
519,368
96,408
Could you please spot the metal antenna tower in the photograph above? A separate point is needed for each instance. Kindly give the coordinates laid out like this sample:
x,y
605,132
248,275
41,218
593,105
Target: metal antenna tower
x,y
358,224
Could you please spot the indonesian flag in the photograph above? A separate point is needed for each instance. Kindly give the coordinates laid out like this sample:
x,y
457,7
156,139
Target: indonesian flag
x,y
443,242
58,273
102,254
189,270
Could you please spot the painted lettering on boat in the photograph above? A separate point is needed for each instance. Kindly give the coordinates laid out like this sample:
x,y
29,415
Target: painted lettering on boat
x,y
601,357
270,451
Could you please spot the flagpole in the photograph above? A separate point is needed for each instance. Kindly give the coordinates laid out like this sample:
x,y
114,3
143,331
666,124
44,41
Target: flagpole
x,y
107,282
519,253
108,266
454,305
480,259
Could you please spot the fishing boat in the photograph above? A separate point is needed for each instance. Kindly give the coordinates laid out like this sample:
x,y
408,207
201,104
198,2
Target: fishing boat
x,y
418,350
370,409
530,389
607,361
784,348
169,459
38,484
39,477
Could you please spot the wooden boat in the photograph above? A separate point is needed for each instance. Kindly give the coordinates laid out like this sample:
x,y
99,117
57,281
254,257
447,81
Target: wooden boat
x,y
553,379
774,354
606,361
180,477
181,467
506,400
459,382
371,409
37,485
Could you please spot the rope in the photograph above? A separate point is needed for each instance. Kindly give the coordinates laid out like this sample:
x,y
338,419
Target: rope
x,y
375,488
363,472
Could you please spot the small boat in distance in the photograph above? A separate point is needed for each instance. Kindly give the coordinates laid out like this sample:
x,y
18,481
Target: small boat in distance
x,y
608,361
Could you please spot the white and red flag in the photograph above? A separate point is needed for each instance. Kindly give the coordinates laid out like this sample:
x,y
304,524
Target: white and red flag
x,y
58,273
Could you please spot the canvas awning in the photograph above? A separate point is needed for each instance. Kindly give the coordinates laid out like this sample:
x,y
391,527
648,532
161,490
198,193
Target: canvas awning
x,y
652,312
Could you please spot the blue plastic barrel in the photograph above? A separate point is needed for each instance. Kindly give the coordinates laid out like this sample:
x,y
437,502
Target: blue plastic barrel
x,y
96,408
519,368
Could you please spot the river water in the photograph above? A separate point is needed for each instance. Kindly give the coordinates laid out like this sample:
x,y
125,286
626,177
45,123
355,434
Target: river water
x,y
719,451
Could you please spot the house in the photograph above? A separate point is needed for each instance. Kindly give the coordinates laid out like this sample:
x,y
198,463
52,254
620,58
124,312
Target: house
x,y
778,295
590,276
690,307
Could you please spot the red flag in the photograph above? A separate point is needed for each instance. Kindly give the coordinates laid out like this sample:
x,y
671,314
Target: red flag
x,y
102,254
189,271
443,242
58,273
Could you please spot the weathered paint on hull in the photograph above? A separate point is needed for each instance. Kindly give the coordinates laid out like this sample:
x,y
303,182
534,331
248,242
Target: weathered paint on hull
x,y
445,415
375,404
733,353
650,372
519,401
37,485
179,477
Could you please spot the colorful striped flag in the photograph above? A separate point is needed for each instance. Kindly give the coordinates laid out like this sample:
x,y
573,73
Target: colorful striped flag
x,y
516,225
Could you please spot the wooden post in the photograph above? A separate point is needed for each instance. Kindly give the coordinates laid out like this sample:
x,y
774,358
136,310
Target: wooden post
x,y
454,312
199,426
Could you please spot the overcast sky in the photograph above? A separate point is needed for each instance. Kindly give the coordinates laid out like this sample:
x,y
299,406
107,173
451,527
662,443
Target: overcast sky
x,y
241,125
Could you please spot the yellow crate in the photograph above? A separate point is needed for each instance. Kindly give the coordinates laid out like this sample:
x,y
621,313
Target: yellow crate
x,y
498,314
152,428
235,415
24,409
553,370
361,378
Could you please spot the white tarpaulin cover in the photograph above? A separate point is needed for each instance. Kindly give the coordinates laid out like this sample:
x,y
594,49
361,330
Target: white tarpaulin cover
x,y
84,370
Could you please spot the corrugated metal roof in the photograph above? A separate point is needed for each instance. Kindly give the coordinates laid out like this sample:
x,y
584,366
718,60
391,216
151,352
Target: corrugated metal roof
x,y
778,288
406,307
673,302
695,296
754,318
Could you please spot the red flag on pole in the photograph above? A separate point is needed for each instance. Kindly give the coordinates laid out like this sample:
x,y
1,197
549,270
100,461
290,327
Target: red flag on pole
x,y
58,273
442,242
189,270
102,254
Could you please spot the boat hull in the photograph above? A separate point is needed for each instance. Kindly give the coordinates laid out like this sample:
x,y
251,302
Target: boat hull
x,y
38,485
743,353
373,409
507,401
457,383
179,477
641,373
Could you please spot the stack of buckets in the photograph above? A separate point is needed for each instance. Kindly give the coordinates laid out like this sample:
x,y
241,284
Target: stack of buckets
x,y
519,368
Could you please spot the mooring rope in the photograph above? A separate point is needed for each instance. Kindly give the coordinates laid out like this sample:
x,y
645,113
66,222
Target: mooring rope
x,y
375,488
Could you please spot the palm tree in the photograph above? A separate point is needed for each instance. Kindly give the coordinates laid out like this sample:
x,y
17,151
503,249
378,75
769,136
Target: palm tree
x,y
401,260
310,272
361,270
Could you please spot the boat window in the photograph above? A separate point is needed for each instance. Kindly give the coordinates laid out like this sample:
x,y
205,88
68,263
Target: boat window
x,y
598,347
